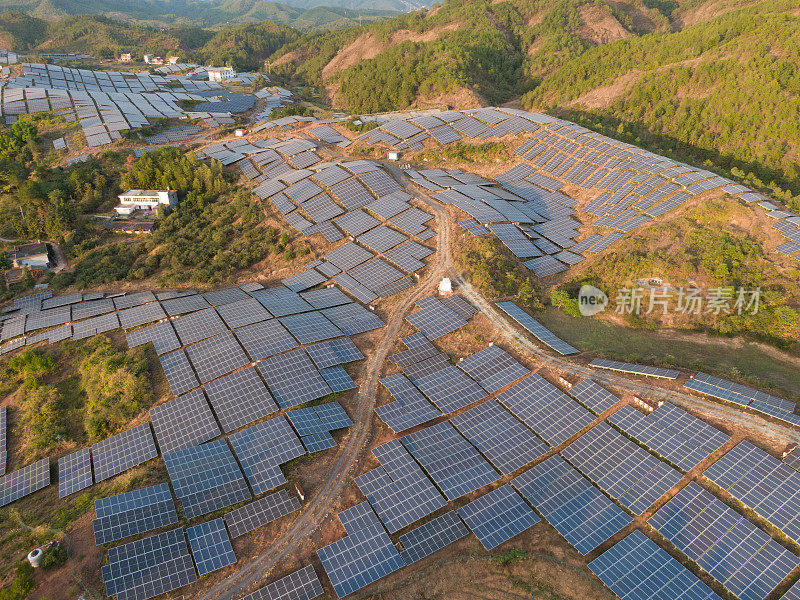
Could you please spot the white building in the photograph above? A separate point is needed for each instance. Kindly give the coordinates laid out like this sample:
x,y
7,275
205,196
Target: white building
x,y
149,58
134,200
221,73
173,60
125,57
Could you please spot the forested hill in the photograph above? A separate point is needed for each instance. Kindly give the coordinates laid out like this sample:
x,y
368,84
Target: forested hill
x,y
711,81
303,15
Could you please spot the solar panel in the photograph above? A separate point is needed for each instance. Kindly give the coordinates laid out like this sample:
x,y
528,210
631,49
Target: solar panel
x,y
435,319
358,517
498,516
178,371
310,327
621,468
211,546
24,481
299,585
243,312
347,256
338,379
162,335
281,301
325,298
672,432
410,407
198,326
240,398
738,554
376,275
334,352
432,536
593,395
333,416
761,482
623,367
317,442
254,514
216,356
132,513
353,318
544,408
382,239
637,569
572,505
355,223
149,567
493,368
499,436
139,315
3,438
293,378
262,448
303,281
359,559
185,421
74,472
452,462
448,388
122,451
543,334
184,304
734,392
265,339
206,478
94,326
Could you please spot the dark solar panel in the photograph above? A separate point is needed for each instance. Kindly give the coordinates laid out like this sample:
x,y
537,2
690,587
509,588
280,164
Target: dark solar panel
x,y
334,352
260,512
243,312
132,513
299,585
24,481
637,569
293,379
595,396
206,478
216,356
338,379
240,398
161,334
310,327
281,301
508,444
353,318
185,421
262,448
359,559
148,567
498,516
265,339
198,326
432,536
139,315
74,472
211,546
122,451
178,371
358,517
452,462
317,442
493,368
325,298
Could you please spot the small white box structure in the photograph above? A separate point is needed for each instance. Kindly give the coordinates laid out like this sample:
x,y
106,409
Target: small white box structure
x,y
445,286
239,133
172,60
125,57
221,73
394,155
149,58
134,200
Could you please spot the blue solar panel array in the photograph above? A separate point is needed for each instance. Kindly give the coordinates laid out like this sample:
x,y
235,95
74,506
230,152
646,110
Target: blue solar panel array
x,y
452,462
544,408
498,516
543,334
676,435
211,546
637,569
493,368
763,483
572,505
738,554
132,513
410,407
432,536
624,470
398,490
206,478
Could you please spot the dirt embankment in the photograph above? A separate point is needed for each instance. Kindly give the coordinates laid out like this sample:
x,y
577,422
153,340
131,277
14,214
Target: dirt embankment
x,y
369,45
600,26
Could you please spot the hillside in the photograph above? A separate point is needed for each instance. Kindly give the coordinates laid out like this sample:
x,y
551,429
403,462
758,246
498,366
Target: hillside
x,y
304,16
706,81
